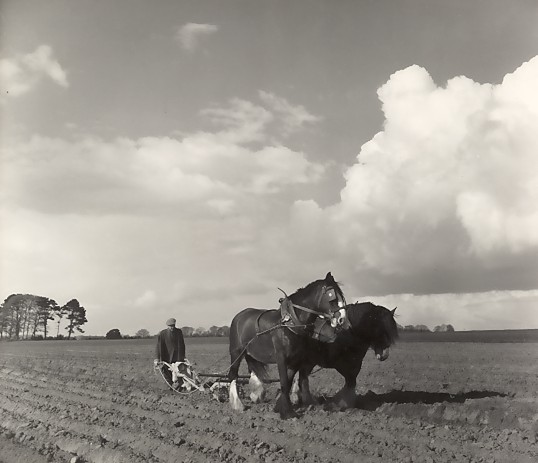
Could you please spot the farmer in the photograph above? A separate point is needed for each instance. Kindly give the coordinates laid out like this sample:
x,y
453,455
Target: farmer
x,y
170,347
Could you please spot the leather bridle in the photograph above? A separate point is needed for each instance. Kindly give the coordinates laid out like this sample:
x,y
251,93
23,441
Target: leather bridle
x,y
325,289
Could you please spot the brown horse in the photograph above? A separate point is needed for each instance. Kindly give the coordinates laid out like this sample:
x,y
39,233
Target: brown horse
x,y
265,337
372,326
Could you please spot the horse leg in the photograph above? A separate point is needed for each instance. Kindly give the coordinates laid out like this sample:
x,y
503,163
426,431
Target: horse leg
x,y
295,391
304,386
257,391
258,372
233,373
347,397
283,404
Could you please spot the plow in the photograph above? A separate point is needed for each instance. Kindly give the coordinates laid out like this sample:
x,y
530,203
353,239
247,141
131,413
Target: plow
x,y
185,380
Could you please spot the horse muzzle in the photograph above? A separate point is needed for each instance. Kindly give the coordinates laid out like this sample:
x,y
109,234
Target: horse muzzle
x,y
339,320
382,354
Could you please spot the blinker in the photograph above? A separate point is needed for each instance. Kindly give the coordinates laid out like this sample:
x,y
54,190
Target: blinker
x,y
331,294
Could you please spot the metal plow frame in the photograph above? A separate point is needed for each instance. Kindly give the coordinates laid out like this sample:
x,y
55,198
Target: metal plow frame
x,y
218,385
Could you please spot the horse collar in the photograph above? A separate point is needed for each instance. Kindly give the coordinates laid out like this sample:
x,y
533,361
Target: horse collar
x,y
287,312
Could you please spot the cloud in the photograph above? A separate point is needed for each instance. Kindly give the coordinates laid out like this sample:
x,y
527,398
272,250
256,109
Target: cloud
x,y
243,121
437,215
147,298
190,34
466,311
21,74
294,117
205,172
444,198
240,122
460,159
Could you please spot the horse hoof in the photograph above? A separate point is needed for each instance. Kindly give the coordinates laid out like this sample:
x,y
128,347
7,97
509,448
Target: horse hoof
x,y
310,402
329,407
345,399
288,415
278,406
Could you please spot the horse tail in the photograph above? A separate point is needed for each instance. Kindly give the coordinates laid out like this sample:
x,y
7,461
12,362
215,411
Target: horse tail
x,y
259,368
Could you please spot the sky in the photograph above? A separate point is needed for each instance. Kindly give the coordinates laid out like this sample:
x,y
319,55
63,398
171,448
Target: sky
x,y
187,158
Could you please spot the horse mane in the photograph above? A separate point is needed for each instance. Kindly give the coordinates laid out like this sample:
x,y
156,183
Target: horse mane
x,y
391,327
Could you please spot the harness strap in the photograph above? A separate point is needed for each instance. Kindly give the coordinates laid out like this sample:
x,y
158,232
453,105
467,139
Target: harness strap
x,y
257,323
290,320
306,309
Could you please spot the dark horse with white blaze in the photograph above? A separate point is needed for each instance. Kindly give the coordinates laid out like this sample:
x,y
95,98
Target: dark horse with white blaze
x,y
282,336
372,326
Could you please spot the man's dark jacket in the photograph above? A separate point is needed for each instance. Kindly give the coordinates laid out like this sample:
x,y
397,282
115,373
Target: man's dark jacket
x,y
170,346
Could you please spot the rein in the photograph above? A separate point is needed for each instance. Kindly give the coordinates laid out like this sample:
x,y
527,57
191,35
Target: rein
x,y
268,330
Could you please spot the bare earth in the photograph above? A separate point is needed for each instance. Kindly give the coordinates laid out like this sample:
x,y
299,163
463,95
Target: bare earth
x,y
100,401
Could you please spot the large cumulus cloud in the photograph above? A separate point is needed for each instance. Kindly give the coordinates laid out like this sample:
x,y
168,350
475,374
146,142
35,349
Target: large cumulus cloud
x,y
445,197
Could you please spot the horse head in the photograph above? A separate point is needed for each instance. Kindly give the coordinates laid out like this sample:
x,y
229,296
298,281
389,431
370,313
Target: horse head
x,y
325,299
374,325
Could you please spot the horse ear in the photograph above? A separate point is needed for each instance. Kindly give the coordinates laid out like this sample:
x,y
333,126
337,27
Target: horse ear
x,y
393,311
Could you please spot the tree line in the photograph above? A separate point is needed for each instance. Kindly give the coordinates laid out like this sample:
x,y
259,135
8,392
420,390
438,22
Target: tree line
x,y
25,316
188,332
215,331
424,328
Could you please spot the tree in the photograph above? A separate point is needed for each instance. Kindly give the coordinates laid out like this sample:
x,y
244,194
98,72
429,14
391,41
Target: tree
x,y
200,331
3,320
59,312
76,315
443,328
27,316
22,316
143,333
45,311
188,331
223,331
11,315
17,309
114,334
213,330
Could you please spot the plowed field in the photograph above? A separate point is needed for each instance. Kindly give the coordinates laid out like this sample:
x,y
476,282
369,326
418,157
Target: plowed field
x,y
100,401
